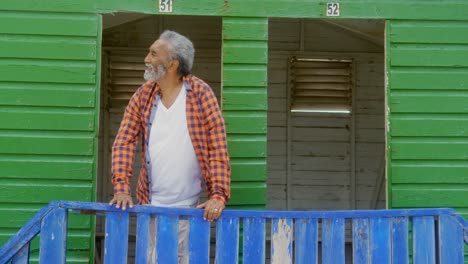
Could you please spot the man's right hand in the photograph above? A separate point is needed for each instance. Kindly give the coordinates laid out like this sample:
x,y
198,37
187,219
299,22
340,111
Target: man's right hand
x,y
123,200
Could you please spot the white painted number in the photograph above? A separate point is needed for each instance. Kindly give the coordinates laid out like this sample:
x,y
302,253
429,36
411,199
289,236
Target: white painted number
x,y
165,6
333,9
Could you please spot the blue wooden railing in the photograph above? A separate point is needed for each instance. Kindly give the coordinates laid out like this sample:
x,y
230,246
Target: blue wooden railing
x,y
379,236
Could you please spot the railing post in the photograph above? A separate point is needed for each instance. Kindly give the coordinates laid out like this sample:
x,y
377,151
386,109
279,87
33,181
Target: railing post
x,y
450,240
227,240
333,240
22,257
281,240
423,240
142,238
54,236
116,238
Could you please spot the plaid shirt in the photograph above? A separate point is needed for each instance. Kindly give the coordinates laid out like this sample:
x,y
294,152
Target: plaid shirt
x,y
206,128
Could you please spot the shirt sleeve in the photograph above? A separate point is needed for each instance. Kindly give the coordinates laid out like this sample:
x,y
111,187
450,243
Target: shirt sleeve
x,y
123,150
219,180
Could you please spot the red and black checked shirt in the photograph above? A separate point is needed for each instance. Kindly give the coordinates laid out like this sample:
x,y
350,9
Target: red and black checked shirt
x,y
206,128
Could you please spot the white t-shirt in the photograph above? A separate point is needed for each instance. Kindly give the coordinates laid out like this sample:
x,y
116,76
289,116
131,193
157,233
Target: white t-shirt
x,y
176,176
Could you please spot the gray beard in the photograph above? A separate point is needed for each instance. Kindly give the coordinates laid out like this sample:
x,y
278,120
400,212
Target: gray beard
x,y
155,74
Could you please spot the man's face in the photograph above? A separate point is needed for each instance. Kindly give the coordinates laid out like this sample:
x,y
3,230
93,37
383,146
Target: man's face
x,y
156,61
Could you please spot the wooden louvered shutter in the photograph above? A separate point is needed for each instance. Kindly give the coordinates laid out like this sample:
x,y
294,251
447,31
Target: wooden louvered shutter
x,y
319,85
126,68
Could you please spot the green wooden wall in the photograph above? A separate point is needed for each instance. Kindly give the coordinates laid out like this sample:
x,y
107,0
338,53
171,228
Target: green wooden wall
x,y
428,101
49,72
244,104
49,90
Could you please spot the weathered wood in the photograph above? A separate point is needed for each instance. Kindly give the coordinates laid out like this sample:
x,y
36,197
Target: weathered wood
x,y
450,240
361,241
333,241
254,240
423,240
142,238
380,235
54,236
306,241
22,257
199,240
400,251
167,239
281,241
227,240
116,239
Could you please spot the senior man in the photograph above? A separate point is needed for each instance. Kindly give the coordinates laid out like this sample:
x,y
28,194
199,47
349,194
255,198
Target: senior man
x,y
183,137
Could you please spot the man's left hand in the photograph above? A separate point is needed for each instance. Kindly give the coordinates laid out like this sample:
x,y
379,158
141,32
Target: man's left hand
x,y
213,209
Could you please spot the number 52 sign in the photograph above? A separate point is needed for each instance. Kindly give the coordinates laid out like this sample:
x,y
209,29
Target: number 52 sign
x,y
333,9
165,6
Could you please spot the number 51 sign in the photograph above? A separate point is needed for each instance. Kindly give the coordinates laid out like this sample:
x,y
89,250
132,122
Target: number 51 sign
x,y
333,9
165,6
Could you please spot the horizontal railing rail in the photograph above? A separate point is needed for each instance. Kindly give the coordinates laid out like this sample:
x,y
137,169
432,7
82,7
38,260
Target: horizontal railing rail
x,y
378,236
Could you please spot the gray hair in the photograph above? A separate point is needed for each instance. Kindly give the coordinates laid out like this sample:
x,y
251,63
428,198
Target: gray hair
x,y
181,49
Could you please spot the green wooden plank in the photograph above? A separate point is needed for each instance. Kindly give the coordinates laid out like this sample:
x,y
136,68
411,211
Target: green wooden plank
x,y
446,32
430,195
255,52
438,172
429,148
245,122
78,239
47,167
389,9
425,102
42,193
429,125
49,5
429,56
47,94
22,216
248,169
46,143
56,119
39,47
248,193
248,75
428,78
47,71
237,28
39,23
243,99
246,146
